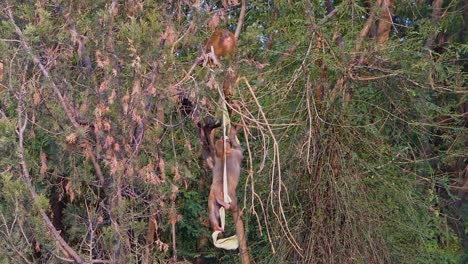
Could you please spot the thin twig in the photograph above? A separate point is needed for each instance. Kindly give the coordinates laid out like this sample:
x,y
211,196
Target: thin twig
x,y
277,163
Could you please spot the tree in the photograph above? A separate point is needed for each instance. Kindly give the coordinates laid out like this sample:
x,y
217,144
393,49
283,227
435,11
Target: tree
x,y
353,122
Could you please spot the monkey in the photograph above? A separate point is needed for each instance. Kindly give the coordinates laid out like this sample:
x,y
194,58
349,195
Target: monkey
x,y
223,43
233,163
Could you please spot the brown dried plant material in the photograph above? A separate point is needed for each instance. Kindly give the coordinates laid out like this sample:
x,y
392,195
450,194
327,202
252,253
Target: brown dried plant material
x,y
103,86
162,246
84,107
136,117
211,83
125,100
114,166
106,125
36,98
162,169
172,94
43,158
214,22
114,9
169,35
116,147
101,61
176,173
108,142
71,139
136,88
69,191
1,71
195,3
111,98
148,175
174,192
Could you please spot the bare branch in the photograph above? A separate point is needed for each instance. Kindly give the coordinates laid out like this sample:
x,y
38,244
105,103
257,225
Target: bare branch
x,y
22,123
240,21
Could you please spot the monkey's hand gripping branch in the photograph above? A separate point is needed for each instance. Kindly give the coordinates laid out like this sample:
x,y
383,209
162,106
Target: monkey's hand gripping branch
x,y
229,243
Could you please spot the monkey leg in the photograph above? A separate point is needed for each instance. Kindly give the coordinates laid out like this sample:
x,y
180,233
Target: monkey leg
x,y
213,212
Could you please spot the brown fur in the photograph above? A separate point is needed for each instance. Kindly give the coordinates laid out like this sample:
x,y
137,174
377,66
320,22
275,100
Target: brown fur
x,y
223,42
233,163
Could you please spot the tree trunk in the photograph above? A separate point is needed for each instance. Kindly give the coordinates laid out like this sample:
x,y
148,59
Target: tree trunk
x,y
385,23
244,254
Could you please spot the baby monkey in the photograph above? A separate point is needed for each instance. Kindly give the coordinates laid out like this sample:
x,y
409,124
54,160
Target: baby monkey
x,y
233,163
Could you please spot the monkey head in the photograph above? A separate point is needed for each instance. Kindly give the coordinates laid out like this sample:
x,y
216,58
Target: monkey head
x,y
223,43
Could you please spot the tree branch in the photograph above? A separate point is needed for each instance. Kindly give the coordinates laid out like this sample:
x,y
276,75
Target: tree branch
x,y
240,21
22,123
68,110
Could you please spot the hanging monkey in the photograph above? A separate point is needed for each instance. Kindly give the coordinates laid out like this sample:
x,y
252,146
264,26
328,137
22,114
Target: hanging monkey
x,y
233,165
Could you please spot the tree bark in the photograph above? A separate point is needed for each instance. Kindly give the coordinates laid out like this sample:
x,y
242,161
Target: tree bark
x,y
240,233
436,12
385,23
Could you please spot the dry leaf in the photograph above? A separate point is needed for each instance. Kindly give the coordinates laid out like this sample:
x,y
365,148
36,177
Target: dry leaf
x,y
211,83
43,163
114,8
136,88
114,166
71,139
37,247
196,3
162,168
136,117
207,7
169,35
162,246
176,173
116,147
98,126
173,92
36,98
100,60
260,66
125,100
106,125
108,142
203,101
112,96
214,22
69,191
84,107
103,86
174,192
1,71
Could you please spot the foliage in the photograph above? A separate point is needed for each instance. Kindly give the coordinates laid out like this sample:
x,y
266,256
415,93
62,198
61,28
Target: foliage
x,y
355,151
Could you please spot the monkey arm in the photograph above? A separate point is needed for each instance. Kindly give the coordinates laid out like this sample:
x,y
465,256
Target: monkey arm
x,y
220,201
233,138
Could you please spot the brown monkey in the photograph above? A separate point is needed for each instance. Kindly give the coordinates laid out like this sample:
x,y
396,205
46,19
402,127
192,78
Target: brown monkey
x,y
233,162
223,43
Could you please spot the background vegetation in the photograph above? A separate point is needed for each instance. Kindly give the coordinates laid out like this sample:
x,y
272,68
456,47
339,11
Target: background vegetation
x,y
354,119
